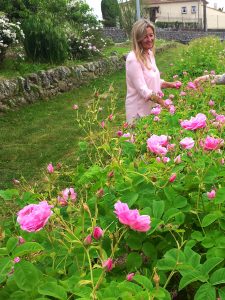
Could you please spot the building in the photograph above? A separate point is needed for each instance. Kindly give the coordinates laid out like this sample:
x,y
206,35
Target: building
x,y
190,13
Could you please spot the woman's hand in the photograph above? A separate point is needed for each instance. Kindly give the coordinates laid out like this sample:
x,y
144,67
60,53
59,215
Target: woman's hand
x,y
171,85
199,80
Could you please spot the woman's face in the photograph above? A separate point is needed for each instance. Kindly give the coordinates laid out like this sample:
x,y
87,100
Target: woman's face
x,y
148,41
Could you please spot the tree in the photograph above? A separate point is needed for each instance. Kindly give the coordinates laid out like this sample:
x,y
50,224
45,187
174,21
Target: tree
x,y
110,12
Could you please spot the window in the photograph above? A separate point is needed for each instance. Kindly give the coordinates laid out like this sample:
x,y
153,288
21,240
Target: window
x,y
193,9
184,10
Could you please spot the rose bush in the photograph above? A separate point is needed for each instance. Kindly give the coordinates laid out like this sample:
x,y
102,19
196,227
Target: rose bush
x,y
142,225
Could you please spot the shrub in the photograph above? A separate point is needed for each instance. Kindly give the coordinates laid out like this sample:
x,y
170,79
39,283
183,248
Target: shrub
x,y
110,12
10,33
44,41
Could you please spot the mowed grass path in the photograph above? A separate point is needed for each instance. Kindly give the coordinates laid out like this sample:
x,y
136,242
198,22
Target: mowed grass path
x,y
46,131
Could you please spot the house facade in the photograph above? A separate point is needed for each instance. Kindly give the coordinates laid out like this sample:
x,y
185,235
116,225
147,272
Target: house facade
x,y
194,12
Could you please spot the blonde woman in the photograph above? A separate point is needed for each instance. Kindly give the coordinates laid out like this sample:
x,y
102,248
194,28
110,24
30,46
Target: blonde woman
x,y
142,75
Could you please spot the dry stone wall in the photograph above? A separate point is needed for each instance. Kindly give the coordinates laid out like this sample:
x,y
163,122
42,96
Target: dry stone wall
x,y
45,84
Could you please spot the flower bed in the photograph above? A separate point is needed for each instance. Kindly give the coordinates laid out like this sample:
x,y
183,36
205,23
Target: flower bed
x,y
140,217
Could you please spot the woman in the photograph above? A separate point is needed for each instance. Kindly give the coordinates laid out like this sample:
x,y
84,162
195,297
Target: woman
x,y
142,75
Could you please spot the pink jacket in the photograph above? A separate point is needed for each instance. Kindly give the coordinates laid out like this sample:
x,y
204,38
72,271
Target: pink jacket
x,y
141,82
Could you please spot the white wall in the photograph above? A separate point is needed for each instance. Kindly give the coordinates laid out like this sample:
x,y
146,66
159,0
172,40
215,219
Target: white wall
x,y
215,19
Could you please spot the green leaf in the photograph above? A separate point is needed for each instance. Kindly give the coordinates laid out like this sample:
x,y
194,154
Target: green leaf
x,y
129,197
3,251
8,194
192,276
134,240
27,248
11,244
158,209
218,277
210,264
5,267
26,276
205,292
134,261
197,235
210,218
53,289
220,196
144,281
19,295
222,294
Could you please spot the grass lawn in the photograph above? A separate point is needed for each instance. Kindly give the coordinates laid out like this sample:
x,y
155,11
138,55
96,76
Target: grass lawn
x,y
44,132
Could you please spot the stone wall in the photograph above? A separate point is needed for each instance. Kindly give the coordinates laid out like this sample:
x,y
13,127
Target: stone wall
x,y
116,34
45,84
185,36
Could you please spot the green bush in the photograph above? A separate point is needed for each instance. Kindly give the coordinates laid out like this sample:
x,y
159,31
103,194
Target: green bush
x,y
110,12
44,41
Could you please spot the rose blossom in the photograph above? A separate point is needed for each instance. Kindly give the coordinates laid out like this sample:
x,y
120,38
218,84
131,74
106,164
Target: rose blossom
x,y
211,103
75,107
173,177
66,195
178,84
194,123
156,119
171,96
191,85
97,233
88,240
187,143
156,110
130,276
34,217
211,194
50,168
177,159
168,102
16,259
212,143
172,109
131,217
220,119
108,264
182,93
119,133
158,144
165,159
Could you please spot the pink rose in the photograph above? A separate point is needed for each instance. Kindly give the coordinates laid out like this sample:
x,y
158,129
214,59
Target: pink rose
x,y
177,159
102,124
173,177
130,276
211,194
97,233
110,117
34,217
16,259
182,93
178,84
195,122
187,143
211,103
168,102
156,110
158,144
50,168
108,264
75,107
212,143
165,159
191,85
131,217
172,109
88,240
156,119
220,119
66,195
171,96
119,133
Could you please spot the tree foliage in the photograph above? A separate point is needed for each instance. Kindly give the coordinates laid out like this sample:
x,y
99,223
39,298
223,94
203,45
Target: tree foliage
x,y
110,12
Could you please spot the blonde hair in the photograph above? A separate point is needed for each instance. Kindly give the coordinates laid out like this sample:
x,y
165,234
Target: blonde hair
x,y
138,33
